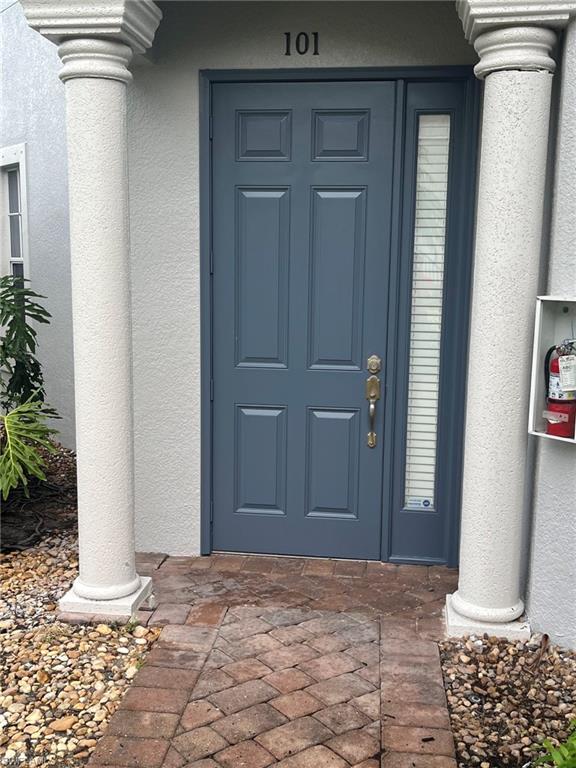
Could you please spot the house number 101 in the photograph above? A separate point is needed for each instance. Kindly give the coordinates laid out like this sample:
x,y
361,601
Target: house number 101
x,y
301,43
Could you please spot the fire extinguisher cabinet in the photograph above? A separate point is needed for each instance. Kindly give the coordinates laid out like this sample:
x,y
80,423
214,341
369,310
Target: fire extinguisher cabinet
x,y
555,321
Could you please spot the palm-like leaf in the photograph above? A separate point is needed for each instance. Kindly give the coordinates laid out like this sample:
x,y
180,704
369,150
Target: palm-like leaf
x,y
19,311
24,431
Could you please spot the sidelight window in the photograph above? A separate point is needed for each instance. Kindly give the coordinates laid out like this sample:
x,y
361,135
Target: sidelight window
x,y
433,149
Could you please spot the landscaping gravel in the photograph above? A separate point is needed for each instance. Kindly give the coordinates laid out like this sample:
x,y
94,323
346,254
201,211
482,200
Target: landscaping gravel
x,y
505,698
59,683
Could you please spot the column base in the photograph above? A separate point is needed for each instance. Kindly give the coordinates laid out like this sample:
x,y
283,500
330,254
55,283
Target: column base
x,y
119,609
458,625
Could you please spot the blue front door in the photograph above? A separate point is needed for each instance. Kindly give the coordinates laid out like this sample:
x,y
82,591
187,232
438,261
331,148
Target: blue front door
x,y
302,207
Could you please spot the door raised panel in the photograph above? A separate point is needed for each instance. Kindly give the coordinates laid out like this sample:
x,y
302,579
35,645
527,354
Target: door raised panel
x,y
341,135
337,277
260,460
263,252
263,135
332,463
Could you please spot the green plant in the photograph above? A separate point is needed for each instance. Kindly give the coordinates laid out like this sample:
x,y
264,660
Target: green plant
x,y
131,625
23,433
562,756
21,376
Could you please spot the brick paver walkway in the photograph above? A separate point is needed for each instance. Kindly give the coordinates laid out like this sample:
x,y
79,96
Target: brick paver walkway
x,y
288,662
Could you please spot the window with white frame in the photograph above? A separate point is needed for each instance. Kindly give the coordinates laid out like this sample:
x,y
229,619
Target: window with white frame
x,y
13,223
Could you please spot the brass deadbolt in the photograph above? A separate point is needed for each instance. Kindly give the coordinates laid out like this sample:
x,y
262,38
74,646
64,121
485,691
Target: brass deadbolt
x,y
374,364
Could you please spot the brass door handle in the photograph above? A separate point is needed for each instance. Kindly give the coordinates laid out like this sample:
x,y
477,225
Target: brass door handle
x,y
372,395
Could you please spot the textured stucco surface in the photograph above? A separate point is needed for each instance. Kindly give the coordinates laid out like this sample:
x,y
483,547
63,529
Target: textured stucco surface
x,y
552,580
32,112
99,236
164,192
507,267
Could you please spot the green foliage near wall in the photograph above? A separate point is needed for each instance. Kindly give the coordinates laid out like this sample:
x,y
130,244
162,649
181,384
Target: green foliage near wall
x,y
24,432
21,373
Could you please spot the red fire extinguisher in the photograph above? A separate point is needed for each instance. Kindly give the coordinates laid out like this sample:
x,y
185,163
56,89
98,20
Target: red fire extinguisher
x,y
561,402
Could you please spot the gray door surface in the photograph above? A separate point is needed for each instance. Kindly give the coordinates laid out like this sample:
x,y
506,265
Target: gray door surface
x,y
301,199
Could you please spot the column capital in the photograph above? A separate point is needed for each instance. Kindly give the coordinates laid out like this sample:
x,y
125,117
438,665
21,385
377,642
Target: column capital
x,y
480,16
523,48
93,57
131,22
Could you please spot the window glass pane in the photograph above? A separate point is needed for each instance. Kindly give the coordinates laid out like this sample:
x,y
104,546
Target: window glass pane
x,y
17,269
426,316
15,240
13,191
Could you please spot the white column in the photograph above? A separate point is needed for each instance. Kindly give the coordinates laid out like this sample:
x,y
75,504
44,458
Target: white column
x,y
517,67
95,75
96,42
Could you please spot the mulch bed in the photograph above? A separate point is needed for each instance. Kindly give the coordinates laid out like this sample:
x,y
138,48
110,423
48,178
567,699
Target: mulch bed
x,y
505,698
50,505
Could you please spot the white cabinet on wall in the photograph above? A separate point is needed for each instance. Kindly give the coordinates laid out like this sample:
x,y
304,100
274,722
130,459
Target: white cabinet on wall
x,y
555,322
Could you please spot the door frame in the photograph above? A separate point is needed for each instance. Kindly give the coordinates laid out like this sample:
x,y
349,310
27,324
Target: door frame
x,y
461,234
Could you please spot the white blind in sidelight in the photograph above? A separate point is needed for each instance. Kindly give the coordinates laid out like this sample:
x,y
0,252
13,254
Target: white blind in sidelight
x,y
426,313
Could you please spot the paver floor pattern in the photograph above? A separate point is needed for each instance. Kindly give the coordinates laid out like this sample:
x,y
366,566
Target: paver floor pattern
x,y
287,662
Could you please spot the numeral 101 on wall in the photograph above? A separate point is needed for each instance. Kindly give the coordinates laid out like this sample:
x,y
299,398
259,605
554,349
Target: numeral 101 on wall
x,y
301,43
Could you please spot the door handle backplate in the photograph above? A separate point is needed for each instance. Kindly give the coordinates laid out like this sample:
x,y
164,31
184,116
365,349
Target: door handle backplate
x,y
372,395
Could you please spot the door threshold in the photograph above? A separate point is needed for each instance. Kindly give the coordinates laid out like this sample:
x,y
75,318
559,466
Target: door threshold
x,y
292,557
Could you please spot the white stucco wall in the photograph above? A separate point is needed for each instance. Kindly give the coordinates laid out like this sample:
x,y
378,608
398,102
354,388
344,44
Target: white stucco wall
x,y
32,112
552,575
164,192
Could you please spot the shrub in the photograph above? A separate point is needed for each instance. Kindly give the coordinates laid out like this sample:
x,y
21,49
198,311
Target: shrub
x,y
24,433
21,377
